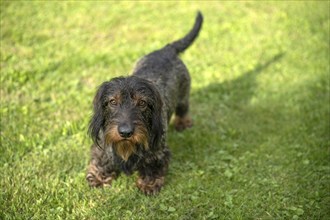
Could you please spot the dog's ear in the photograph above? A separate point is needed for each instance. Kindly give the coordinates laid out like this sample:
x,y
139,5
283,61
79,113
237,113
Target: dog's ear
x,y
97,121
157,129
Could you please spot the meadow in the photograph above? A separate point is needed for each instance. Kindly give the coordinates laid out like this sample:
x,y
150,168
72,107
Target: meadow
x,y
260,145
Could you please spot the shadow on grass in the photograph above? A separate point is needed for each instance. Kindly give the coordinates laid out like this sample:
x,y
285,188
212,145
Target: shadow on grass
x,y
223,121
239,90
275,139
217,107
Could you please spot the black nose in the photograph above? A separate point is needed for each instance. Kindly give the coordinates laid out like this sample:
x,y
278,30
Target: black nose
x,y
125,130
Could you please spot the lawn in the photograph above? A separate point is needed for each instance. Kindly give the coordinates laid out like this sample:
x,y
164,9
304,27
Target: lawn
x,y
260,145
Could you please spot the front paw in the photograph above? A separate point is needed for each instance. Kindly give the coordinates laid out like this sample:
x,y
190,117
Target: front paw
x,y
150,185
96,179
93,181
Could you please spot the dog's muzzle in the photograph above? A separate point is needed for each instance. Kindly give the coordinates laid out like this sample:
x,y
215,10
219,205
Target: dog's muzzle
x,y
125,130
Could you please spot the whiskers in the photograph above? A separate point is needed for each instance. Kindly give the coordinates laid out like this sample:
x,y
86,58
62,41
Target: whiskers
x,y
125,147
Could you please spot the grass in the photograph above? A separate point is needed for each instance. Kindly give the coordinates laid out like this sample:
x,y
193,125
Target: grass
x,y
259,148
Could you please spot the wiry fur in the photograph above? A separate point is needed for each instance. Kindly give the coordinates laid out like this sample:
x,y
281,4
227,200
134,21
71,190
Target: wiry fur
x,y
131,114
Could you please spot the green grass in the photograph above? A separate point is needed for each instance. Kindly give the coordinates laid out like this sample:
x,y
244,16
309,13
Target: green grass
x,y
259,148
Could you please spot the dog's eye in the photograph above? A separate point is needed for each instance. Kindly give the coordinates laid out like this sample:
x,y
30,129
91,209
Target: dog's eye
x,y
142,103
113,102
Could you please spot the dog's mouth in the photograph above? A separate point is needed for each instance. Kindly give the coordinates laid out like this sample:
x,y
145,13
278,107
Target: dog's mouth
x,y
125,147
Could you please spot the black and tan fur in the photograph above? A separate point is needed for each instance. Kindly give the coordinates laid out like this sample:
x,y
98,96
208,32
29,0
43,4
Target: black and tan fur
x,y
131,115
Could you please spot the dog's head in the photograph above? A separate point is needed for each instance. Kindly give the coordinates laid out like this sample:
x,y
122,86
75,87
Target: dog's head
x,y
127,115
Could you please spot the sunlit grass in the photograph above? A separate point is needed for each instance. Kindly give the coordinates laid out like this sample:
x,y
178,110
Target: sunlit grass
x,y
259,148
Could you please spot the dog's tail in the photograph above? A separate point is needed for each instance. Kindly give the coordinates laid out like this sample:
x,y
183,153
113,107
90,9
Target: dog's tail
x,y
183,43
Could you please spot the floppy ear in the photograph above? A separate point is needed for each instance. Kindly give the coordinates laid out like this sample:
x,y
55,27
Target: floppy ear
x,y
157,129
97,121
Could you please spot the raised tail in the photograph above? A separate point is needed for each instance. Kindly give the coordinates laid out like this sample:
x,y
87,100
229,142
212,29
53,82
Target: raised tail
x,y
183,43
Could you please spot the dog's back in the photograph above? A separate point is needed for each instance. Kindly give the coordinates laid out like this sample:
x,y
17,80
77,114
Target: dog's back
x,y
166,70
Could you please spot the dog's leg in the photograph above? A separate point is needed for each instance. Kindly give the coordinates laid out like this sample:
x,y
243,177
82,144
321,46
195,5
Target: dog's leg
x,y
152,175
101,170
182,119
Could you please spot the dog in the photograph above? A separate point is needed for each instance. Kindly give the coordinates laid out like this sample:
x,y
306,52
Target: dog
x,y
131,115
